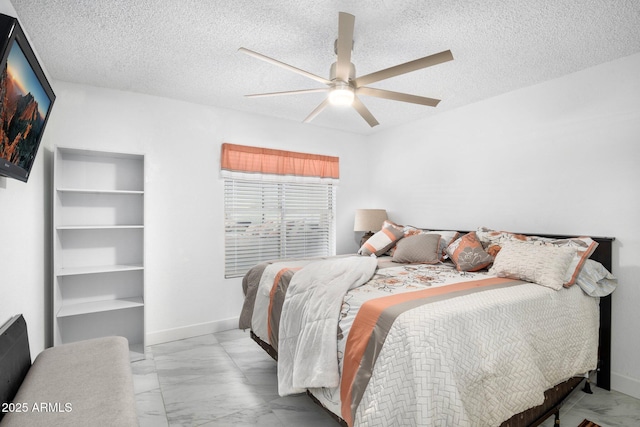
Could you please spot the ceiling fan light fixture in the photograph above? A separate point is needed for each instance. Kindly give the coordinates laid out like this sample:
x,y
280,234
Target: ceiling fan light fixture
x,y
343,83
341,94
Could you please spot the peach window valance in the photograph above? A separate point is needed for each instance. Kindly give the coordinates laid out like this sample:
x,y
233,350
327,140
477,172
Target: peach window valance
x,y
256,161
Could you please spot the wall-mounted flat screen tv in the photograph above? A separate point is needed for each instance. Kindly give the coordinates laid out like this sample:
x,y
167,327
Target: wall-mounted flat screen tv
x,y
26,99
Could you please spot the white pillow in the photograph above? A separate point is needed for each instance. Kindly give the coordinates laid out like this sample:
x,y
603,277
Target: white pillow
x,y
544,265
383,240
595,280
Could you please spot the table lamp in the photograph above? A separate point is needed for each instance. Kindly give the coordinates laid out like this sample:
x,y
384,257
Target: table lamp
x,y
369,221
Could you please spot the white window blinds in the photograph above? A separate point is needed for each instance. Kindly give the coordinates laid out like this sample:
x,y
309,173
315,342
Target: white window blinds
x,y
271,220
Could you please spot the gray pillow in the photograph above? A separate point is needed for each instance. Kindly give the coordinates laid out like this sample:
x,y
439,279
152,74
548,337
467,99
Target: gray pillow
x,y
419,248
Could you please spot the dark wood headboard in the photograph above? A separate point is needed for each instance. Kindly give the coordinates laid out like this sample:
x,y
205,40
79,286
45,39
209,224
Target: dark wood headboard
x,y
604,255
15,357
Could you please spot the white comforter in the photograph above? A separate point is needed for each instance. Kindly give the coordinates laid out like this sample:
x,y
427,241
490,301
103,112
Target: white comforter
x,y
307,347
465,363
472,361
468,361
259,320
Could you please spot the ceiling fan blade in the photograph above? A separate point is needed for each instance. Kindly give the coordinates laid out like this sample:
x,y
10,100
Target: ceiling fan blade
x,y
289,92
364,112
407,67
397,96
317,111
345,43
283,65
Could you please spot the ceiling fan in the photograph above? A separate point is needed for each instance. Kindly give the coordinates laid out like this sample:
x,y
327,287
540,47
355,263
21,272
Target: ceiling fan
x,y
343,86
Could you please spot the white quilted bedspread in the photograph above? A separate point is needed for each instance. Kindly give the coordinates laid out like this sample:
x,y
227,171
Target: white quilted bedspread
x,y
474,360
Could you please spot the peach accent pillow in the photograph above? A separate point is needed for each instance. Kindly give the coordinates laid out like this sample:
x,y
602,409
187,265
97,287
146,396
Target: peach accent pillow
x,y
383,240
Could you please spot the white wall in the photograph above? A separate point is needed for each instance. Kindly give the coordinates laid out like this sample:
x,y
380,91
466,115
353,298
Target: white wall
x,y
186,290
559,157
25,285
186,293
24,245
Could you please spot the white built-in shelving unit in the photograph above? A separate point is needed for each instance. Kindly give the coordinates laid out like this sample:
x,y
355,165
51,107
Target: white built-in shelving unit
x,y
98,246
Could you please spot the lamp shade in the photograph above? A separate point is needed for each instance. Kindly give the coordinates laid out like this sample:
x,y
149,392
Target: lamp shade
x,y
369,219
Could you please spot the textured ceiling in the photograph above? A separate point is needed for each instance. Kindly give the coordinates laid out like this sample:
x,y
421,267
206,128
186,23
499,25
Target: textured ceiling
x,y
187,49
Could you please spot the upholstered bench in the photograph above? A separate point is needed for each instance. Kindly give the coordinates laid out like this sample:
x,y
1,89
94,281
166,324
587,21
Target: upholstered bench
x,y
76,384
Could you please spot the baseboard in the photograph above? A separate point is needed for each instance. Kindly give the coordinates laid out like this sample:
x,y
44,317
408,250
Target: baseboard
x,y
627,385
190,331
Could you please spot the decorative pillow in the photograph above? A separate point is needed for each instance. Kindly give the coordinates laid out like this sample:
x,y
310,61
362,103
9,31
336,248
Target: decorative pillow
x,y
541,264
446,238
407,231
583,248
492,240
410,230
383,240
467,253
595,280
394,225
420,248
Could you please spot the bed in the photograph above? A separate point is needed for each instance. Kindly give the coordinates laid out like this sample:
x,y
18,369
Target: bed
x,y
428,343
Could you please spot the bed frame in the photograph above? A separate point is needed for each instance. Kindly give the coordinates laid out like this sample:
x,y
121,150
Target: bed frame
x,y
555,396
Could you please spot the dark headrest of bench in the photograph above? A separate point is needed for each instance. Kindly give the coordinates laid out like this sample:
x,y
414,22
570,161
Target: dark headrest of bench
x,y
15,357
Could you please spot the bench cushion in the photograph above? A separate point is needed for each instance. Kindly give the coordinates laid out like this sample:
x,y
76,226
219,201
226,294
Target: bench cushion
x,y
78,384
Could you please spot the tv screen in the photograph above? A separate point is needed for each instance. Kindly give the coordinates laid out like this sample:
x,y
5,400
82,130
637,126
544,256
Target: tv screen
x,y
26,99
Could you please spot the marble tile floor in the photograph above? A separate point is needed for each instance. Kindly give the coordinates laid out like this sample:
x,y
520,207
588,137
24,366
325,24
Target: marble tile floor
x,y
226,379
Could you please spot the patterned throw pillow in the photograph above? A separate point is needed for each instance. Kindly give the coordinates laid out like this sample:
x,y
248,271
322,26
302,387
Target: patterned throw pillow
x,y
419,248
493,240
545,265
468,254
383,240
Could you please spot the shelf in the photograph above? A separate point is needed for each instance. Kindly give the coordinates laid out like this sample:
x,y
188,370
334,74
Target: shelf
x,y
74,271
98,246
71,153
96,191
98,227
99,306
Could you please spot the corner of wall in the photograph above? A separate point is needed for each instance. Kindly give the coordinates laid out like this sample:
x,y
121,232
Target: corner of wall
x,y
627,385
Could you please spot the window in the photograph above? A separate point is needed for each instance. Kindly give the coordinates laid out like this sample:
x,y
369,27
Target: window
x,y
266,220
278,204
